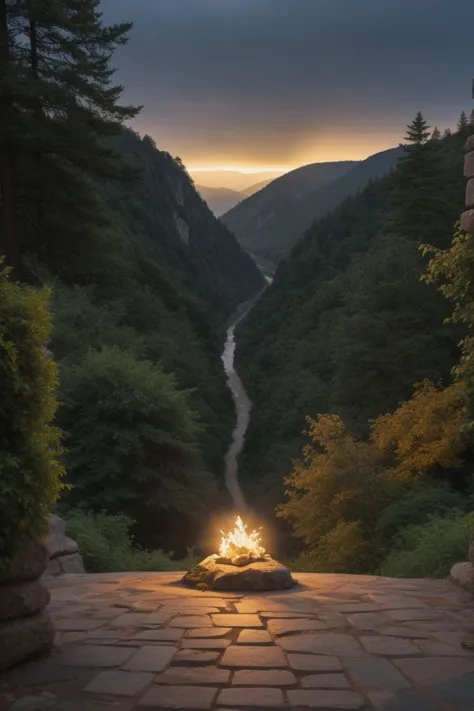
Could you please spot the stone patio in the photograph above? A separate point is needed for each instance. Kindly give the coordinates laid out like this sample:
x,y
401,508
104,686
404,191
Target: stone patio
x,y
141,641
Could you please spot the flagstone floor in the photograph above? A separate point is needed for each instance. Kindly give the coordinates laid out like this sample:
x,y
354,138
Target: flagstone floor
x,y
141,641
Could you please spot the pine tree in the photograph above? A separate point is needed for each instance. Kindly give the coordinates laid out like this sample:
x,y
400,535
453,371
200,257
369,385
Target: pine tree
x,y
471,118
436,134
68,107
463,123
447,132
9,238
414,208
418,131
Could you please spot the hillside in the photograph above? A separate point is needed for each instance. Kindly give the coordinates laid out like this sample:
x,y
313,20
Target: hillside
x,y
157,287
269,223
347,327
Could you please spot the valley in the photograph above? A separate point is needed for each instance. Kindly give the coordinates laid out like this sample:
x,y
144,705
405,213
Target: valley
x,y
144,396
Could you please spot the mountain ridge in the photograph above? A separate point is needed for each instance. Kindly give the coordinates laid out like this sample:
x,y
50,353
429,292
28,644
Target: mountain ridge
x,y
270,226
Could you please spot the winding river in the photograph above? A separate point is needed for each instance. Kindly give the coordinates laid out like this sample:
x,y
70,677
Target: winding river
x,y
242,406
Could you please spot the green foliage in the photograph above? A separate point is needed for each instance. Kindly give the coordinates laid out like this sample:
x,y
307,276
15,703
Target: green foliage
x,y
270,222
30,469
348,500
420,503
452,269
143,276
335,497
430,549
347,327
131,410
106,545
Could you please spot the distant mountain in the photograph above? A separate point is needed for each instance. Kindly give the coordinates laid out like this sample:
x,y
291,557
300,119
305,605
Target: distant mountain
x,y
232,179
219,200
270,221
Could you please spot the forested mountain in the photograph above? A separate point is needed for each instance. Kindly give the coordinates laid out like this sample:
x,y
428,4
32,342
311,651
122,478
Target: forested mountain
x,y
171,277
269,223
347,327
142,276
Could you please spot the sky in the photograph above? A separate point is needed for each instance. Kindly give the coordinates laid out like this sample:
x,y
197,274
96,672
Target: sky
x,y
264,86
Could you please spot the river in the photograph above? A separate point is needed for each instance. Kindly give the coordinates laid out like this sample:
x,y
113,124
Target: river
x,y
242,406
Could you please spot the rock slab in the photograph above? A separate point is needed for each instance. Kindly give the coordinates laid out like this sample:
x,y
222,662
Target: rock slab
x,y
265,574
24,638
21,599
463,575
63,552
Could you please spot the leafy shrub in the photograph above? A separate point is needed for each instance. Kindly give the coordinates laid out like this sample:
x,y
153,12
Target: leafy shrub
x,y
132,440
420,503
335,497
430,549
106,545
30,467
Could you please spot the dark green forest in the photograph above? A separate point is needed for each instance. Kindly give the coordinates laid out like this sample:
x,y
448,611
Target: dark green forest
x,y
142,277
270,222
117,284
348,326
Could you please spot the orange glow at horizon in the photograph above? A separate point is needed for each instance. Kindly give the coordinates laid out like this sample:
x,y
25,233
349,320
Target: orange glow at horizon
x,y
215,173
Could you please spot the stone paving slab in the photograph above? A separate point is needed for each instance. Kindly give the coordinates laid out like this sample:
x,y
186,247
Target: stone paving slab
x,y
323,699
256,697
325,681
194,675
139,640
254,657
119,683
150,659
179,697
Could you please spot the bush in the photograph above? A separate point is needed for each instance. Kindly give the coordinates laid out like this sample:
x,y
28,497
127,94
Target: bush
x,y
335,497
132,441
430,549
30,468
106,545
420,503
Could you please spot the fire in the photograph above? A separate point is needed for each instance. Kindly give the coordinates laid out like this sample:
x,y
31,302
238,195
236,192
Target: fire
x,y
239,542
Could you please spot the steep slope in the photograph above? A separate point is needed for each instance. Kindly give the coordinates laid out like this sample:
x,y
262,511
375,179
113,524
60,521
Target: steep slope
x,y
156,283
347,327
198,249
270,225
255,187
219,200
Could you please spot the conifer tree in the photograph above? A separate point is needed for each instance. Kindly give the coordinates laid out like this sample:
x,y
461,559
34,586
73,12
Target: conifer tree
x,y
67,108
447,132
9,239
471,118
414,208
436,134
463,122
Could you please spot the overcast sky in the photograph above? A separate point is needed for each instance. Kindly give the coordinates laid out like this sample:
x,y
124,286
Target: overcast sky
x,y
280,83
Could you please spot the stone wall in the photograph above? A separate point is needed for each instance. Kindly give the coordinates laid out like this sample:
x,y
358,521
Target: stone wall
x,y
25,626
463,573
467,217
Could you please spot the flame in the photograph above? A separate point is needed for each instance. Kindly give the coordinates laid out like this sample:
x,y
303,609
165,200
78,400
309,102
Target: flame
x,y
239,542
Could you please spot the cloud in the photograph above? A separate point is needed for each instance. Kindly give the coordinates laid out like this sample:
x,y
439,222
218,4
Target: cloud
x,y
281,81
